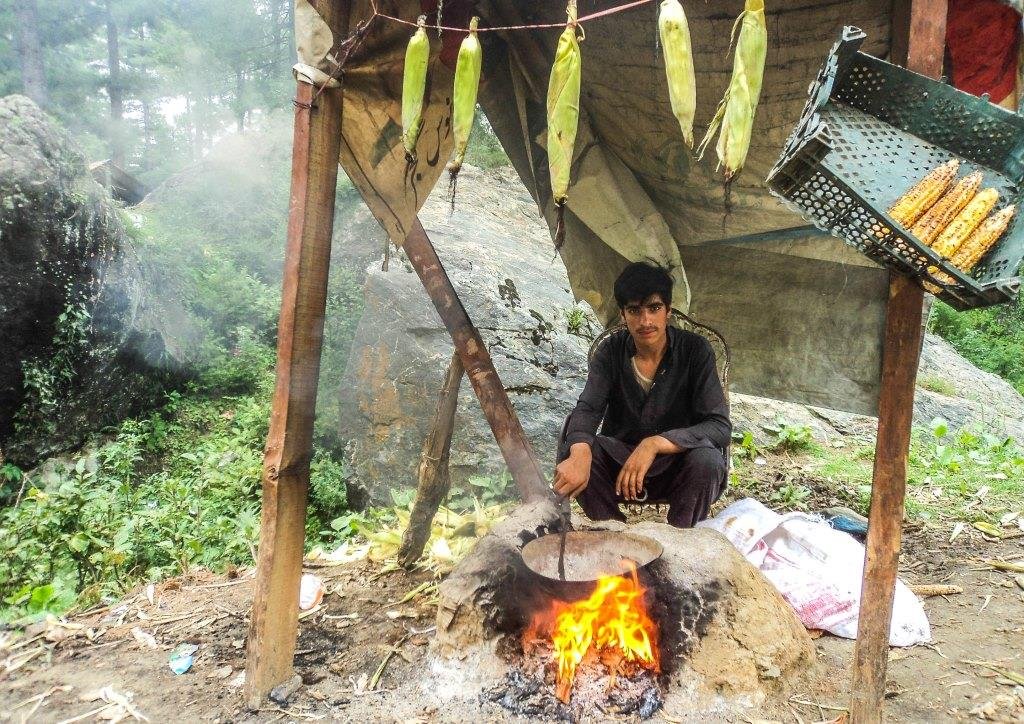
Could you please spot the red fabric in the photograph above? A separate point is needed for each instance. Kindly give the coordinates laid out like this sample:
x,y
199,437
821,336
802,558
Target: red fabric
x,y
982,37
456,14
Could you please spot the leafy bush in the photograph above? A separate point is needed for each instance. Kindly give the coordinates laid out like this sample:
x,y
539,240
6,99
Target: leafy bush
x,y
165,493
992,339
792,438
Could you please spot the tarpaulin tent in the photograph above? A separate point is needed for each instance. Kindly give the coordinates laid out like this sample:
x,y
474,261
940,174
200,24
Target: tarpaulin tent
x,y
802,312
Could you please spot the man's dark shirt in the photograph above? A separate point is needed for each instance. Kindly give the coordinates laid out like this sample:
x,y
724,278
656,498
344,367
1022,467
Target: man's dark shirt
x,y
686,404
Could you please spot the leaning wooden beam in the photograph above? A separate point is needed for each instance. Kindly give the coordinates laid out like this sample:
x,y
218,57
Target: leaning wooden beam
x,y
497,408
434,479
919,29
316,143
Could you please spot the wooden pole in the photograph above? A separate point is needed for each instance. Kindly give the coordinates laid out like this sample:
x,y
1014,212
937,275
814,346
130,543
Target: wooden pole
x,y
501,416
919,30
434,480
316,145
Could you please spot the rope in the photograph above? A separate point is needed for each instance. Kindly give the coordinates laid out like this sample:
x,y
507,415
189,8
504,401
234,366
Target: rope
x,y
537,26
356,38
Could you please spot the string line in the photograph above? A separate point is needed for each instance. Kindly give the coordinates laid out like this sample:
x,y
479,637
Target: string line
x,y
359,33
537,26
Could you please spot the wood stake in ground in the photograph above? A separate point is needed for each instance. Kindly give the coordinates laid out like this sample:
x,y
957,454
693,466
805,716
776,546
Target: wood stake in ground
x,y
434,480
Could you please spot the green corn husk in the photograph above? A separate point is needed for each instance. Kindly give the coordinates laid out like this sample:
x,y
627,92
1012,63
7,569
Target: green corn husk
x,y
735,117
563,116
678,52
414,85
737,122
467,83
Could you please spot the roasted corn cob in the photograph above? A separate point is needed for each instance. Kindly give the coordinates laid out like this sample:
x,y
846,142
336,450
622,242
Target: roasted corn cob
x,y
563,116
414,84
912,205
467,83
678,52
982,239
946,208
947,243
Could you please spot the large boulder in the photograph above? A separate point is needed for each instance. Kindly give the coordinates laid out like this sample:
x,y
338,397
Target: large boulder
x,y
85,341
502,263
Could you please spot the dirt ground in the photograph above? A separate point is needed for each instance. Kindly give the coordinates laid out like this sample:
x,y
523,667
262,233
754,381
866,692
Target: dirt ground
x,y
359,648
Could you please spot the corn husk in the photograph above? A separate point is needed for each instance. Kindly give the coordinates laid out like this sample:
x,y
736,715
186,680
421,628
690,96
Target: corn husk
x,y
678,52
414,86
467,83
734,119
563,116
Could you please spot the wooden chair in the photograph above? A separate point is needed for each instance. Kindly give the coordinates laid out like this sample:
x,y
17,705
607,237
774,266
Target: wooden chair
x,y
684,322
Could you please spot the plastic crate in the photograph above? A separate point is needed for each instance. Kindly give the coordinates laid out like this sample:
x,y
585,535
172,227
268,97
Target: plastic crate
x,y
870,131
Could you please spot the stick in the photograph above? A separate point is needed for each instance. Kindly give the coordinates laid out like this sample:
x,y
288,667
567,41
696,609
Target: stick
x,y
434,480
375,679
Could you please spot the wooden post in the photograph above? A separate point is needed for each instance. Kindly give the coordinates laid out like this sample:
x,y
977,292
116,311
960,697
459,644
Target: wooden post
x,y
919,30
316,144
434,481
498,410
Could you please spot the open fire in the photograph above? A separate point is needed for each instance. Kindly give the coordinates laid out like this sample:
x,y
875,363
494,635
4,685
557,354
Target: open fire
x,y
612,627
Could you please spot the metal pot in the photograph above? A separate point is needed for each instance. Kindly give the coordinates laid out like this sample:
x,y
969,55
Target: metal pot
x,y
589,554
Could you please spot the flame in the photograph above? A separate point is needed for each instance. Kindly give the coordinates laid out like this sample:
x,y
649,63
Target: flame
x,y
613,622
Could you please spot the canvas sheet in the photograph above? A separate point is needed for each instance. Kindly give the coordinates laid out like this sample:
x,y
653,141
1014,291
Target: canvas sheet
x,y
803,314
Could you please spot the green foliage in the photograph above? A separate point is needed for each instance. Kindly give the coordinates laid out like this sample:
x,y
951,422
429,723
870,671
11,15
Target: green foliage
x,y
792,438
484,150
945,471
483,490
791,496
176,489
745,446
46,381
992,339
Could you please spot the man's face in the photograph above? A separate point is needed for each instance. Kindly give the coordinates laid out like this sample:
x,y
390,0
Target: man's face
x,y
646,320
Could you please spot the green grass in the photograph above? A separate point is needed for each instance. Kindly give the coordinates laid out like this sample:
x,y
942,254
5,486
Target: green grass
x,y
958,475
933,383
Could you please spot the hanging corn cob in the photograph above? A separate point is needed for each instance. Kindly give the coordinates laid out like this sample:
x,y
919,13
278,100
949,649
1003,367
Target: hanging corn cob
x,y
467,83
982,239
735,115
912,205
678,52
563,116
946,208
947,243
414,84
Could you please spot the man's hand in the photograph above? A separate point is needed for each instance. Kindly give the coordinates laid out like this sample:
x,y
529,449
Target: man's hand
x,y
630,482
573,473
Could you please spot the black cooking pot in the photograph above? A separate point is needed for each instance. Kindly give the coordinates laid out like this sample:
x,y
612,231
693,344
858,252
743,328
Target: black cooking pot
x,y
589,554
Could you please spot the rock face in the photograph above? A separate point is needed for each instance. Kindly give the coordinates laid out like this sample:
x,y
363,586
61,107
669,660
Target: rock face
x,y
81,334
501,261
948,386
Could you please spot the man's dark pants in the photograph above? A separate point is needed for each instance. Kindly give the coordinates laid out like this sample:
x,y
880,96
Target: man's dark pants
x,y
690,481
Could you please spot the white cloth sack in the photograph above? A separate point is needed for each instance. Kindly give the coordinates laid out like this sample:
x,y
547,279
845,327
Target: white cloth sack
x,y
816,568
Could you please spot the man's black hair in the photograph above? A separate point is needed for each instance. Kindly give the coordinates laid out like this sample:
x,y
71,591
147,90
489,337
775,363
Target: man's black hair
x,y
640,280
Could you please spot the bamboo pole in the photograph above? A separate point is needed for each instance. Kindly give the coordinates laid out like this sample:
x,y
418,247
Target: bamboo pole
x,y
315,147
919,29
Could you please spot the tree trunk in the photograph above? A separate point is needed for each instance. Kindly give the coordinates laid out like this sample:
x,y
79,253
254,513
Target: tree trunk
x,y
434,481
33,72
114,91
240,99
